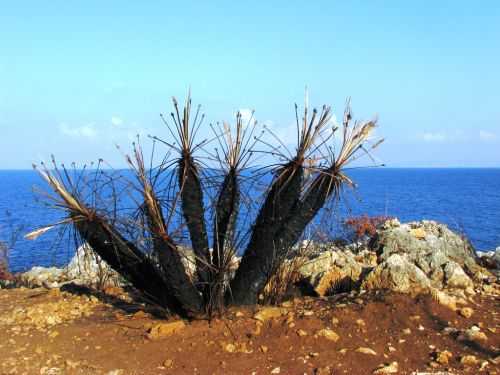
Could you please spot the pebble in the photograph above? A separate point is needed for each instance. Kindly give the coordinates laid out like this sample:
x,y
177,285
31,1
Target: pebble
x,y
301,333
443,357
165,329
361,323
466,312
391,368
168,363
472,334
276,370
366,351
468,360
268,313
328,334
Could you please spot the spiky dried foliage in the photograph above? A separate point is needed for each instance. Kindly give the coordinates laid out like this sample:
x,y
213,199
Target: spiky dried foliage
x,y
259,260
165,248
234,155
103,237
298,190
191,190
257,265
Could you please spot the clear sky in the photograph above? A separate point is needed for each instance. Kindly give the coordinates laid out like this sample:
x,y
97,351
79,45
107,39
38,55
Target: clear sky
x,y
78,77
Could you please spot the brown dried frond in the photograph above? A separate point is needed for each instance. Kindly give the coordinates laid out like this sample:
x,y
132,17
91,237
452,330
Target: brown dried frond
x,y
236,143
62,187
154,211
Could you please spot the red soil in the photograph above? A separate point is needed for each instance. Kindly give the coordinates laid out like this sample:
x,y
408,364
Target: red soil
x,y
112,336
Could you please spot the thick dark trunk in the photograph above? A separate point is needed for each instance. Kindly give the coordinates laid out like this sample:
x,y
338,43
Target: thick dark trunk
x,y
226,213
170,260
302,214
194,214
122,256
258,260
175,273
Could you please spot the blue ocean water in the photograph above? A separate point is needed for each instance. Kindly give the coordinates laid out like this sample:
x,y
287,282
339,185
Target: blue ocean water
x,y
468,200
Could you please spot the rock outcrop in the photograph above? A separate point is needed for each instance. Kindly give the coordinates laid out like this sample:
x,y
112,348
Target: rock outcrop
x,y
398,274
332,269
413,258
85,268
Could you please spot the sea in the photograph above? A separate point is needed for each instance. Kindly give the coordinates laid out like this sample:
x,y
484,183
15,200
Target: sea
x,y
467,200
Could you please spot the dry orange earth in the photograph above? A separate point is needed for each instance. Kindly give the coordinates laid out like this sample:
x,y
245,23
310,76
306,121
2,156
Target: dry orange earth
x,y
52,332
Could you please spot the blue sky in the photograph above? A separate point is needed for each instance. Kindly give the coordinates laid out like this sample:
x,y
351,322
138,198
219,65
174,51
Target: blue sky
x,y
76,79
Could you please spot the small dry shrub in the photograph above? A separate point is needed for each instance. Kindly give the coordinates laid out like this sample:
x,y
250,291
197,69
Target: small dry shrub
x,y
364,226
4,264
280,285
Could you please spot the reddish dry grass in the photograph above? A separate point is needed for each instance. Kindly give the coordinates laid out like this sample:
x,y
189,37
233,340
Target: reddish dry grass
x,y
365,225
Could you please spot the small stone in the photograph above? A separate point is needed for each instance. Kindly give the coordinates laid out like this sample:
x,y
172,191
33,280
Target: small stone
x,y
287,304
93,299
140,315
301,333
230,348
445,299
308,313
407,331
361,323
469,360
268,313
239,314
466,312
484,364
72,364
258,329
391,368
275,370
472,334
392,349
165,329
335,321
168,363
443,357
264,349
323,371
328,334
366,351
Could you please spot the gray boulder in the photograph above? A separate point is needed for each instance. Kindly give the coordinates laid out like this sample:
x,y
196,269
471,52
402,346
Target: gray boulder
x,y
447,259
397,273
333,269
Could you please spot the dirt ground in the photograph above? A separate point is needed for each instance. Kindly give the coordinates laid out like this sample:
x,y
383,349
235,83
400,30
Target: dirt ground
x,y
70,332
